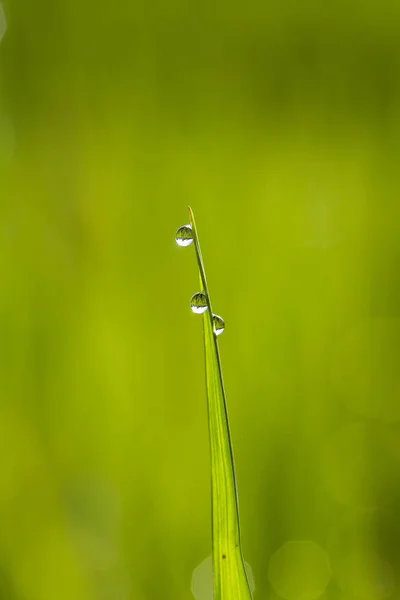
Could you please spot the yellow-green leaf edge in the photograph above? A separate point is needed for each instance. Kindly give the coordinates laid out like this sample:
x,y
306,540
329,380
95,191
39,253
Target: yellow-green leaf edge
x,y
229,574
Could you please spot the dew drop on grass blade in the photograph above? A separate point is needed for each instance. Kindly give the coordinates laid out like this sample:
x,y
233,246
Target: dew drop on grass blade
x,y
198,303
219,324
184,236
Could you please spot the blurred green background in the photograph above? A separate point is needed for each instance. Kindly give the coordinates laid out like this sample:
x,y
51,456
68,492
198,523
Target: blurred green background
x,y
279,123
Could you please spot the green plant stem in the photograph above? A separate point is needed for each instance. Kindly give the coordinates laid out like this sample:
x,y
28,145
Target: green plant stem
x,y
230,579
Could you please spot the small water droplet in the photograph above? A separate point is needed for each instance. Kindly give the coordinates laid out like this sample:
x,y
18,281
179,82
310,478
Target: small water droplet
x,y
184,236
219,325
198,303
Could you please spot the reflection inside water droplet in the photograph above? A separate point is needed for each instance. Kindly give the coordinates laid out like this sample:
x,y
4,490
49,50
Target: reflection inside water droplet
x,y
219,325
198,303
184,235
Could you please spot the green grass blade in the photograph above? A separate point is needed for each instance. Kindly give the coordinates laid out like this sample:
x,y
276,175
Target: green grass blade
x,y
230,579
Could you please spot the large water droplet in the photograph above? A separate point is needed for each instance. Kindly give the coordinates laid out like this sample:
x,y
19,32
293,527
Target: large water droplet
x,y
184,235
198,303
219,325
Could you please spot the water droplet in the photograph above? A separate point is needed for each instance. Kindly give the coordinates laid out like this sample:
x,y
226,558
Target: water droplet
x,y
219,325
198,303
184,236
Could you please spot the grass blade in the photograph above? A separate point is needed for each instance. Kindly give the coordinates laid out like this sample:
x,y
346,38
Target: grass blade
x,y
230,579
